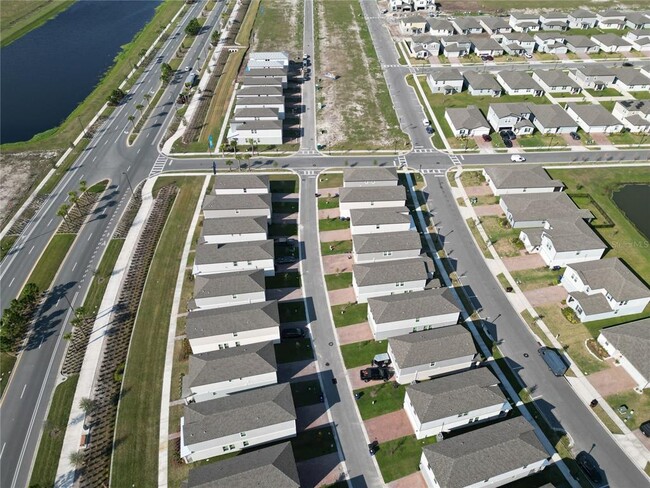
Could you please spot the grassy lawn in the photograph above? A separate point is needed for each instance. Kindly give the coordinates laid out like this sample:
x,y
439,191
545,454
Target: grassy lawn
x,y
628,137
639,403
472,178
283,230
479,240
278,27
291,350
5,245
284,207
335,247
313,443
503,281
61,136
338,281
530,279
333,224
330,179
400,457
641,95
292,311
541,140
349,314
284,280
361,353
595,326
135,458
504,238
486,200
606,419
52,258
103,274
306,393
49,450
328,202
360,94
624,240
572,337
283,184
607,92
7,362
387,397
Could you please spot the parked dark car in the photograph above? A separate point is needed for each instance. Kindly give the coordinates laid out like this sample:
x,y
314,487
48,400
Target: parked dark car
x,y
484,57
627,65
487,138
292,333
503,134
645,428
589,465
511,135
286,259
554,360
490,58
374,374
507,142
575,136
429,129
373,447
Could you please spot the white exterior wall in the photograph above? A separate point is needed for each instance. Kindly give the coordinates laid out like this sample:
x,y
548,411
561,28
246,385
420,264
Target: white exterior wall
x,y
404,376
365,184
500,480
521,224
261,136
480,93
553,258
387,256
242,338
641,381
249,212
227,238
434,427
345,208
229,300
514,191
401,327
623,86
377,229
215,268
440,86
554,130
211,391
240,191
203,450
365,292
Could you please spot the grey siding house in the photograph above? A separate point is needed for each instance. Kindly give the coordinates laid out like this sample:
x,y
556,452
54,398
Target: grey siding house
x,y
376,220
390,277
370,177
234,229
242,205
228,289
368,248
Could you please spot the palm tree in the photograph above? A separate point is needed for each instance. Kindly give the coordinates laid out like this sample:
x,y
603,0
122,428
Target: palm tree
x,y
223,148
251,143
131,119
238,159
77,459
233,144
83,186
229,164
139,107
63,212
147,97
74,200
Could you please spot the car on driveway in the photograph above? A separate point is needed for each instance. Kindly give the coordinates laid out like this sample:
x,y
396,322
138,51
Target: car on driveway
x,y
487,138
504,134
575,136
589,465
369,374
507,142
645,428
511,135
528,56
517,158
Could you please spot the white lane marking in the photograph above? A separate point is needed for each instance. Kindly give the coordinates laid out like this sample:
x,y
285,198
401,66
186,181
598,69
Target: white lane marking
x,y
3,449
57,303
91,234
23,392
127,169
138,152
75,265
94,159
12,280
48,224
30,251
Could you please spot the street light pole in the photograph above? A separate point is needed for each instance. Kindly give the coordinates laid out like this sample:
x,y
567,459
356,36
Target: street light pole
x,y
129,182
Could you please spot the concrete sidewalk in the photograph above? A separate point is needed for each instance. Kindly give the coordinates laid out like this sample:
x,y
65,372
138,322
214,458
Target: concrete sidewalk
x,y
92,359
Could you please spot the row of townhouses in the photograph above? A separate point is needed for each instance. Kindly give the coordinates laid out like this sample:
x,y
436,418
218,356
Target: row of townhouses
x,y
429,349
232,396
259,103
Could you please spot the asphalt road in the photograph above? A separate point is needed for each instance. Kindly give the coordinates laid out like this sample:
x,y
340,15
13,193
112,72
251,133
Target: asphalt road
x,y
553,396
308,117
107,157
361,469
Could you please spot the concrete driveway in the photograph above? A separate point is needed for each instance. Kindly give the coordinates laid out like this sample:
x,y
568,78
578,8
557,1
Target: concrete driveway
x,y
337,263
329,213
526,261
546,295
389,426
354,333
483,210
414,480
320,471
344,295
283,294
336,235
357,382
278,218
477,191
612,380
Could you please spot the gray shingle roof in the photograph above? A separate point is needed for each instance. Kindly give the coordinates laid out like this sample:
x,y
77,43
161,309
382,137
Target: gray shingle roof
x,y
494,22
271,91
610,40
386,241
519,80
467,23
362,175
633,341
484,453
414,19
594,115
240,182
591,304
234,225
579,41
431,346
380,216
482,42
555,78
374,194
262,81
369,274
507,109
256,112
636,106
227,364
269,467
447,75
229,284
469,118
242,102
414,305
504,177
596,69
234,251
552,116
265,72
241,412
612,275
582,13
542,206
226,320
237,201
458,393
518,37
440,24
481,81
631,76
572,234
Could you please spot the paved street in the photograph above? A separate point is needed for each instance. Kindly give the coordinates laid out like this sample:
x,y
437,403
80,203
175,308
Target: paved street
x,y
361,469
553,396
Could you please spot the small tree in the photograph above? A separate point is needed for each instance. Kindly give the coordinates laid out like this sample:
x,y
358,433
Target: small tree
x,y
193,27
147,97
166,72
77,459
229,164
83,186
88,405
214,38
116,96
131,118
63,212
139,107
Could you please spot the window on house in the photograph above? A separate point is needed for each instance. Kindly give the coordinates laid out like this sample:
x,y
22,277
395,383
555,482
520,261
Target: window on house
x,y
237,344
232,446
246,443
243,434
234,263
225,449
245,190
417,320
388,253
376,227
432,364
249,263
234,297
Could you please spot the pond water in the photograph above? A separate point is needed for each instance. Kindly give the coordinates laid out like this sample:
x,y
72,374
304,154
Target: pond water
x,y
634,201
49,71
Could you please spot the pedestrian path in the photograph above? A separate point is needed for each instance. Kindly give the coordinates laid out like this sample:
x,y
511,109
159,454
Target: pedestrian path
x,y
159,165
424,150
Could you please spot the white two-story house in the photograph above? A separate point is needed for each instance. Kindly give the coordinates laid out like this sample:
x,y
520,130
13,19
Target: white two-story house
x,y
231,184
370,197
511,116
364,177
629,345
376,220
228,289
234,229
236,256
242,205
385,246
390,277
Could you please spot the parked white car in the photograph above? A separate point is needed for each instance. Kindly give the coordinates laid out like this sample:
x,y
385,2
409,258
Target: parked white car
x,y
517,158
